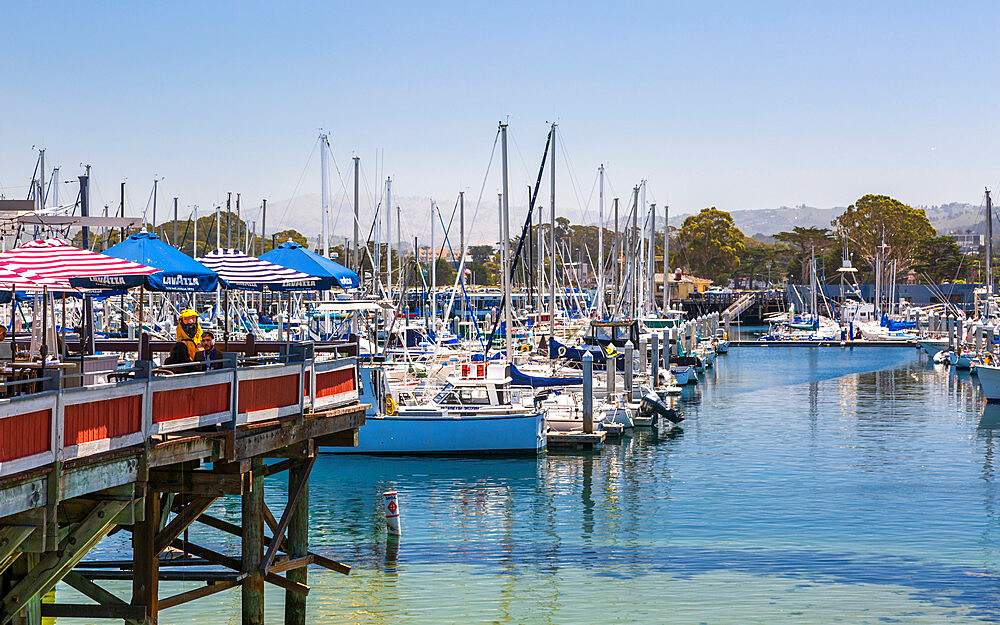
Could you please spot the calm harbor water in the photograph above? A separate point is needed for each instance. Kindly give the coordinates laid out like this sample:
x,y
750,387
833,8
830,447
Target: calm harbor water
x,y
807,486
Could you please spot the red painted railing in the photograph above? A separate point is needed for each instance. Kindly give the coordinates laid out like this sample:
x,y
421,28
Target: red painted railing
x,y
36,430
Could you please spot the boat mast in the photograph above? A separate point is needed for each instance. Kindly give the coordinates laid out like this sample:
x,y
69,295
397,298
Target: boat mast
x,y
324,202
616,264
357,234
640,235
600,245
989,244
633,237
433,262
552,238
666,258
505,248
388,237
651,264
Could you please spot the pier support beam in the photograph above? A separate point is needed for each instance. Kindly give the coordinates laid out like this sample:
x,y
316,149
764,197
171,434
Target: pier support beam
x,y
146,577
298,542
253,546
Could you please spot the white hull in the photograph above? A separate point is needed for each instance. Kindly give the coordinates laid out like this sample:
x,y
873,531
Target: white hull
x,y
989,381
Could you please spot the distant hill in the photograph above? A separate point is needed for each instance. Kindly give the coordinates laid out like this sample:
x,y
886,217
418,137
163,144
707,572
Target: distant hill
x,y
765,222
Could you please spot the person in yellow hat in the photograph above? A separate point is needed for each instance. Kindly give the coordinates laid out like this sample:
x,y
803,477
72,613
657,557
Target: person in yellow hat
x,y
189,332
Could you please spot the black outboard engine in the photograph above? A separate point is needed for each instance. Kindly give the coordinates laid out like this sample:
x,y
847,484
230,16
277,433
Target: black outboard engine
x,y
651,404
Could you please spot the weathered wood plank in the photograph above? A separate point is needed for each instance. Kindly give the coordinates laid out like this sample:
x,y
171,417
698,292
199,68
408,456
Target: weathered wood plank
x,y
102,596
130,613
201,483
55,564
197,593
179,523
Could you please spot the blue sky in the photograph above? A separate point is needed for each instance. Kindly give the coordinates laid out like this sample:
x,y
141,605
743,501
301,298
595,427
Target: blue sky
x,y
751,105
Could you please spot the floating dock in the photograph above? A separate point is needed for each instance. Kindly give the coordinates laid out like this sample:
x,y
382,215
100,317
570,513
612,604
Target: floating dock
x,y
575,441
149,455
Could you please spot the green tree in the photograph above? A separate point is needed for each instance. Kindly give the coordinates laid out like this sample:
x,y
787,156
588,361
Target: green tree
x,y
805,241
711,244
938,259
877,218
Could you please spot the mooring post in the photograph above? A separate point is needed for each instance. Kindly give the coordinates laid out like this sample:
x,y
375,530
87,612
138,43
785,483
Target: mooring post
x,y
655,369
612,371
629,359
959,337
916,323
588,393
298,547
951,332
253,546
990,331
642,357
146,576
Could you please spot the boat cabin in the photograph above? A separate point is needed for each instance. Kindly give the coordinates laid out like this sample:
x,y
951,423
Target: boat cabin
x,y
616,333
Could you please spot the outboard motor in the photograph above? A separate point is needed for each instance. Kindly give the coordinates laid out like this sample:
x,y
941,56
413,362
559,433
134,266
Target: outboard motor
x,y
651,404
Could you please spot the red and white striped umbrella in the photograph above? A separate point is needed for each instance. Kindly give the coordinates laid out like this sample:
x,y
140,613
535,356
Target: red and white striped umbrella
x,y
27,280
58,260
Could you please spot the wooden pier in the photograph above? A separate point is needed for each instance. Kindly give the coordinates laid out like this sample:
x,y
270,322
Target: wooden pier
x,y
149,455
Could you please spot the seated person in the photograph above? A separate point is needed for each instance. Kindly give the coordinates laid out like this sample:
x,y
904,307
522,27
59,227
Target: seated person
x,y
179,356
209,352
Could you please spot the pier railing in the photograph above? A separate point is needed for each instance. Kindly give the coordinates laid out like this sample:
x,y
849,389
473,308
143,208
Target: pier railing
x,y
62,424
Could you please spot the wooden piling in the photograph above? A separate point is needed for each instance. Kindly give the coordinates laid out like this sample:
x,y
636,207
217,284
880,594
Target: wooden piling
x,y
253,546
298,544
146,578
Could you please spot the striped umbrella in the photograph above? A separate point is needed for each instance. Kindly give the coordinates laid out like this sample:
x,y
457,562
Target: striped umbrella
x,y
27,280
247,273
58,260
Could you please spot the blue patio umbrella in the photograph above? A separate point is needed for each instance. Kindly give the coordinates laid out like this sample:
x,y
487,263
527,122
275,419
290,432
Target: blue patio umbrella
x,y
294,256
181,273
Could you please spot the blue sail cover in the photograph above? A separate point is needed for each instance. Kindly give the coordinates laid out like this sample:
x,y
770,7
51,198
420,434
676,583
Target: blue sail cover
x,y
294,256
180,271
518,378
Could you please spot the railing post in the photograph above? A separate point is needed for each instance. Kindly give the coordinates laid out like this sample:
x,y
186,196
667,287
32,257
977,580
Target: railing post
x,y
230,362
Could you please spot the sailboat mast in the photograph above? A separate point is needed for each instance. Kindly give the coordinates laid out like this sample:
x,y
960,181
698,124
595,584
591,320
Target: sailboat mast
x,y
433,262
505,249
388,237
633,235
357,234
651,264
552,238
600,245
324,201
616,264
989,244
666,258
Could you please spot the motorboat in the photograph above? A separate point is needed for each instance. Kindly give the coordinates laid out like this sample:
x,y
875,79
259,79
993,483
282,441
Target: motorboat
x,y
474,413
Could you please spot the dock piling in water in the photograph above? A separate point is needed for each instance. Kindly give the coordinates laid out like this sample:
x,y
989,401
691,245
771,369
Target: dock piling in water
x,y
588,393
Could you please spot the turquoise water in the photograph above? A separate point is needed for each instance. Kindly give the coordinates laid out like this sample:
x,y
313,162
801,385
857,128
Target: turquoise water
x,y
807,486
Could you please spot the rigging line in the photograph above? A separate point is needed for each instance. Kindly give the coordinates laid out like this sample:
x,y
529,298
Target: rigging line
x,y
583,219
520,244
281,220
573,178
486,176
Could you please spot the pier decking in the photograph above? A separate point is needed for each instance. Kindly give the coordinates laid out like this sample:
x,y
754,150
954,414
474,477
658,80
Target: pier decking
x,y
149,455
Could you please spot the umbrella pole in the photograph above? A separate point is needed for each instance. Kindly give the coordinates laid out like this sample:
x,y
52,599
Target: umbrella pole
x,y
13,314
45,311
227,320
63,321
142,300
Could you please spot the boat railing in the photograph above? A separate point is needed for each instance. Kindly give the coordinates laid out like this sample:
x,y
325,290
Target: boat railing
x,y
55,423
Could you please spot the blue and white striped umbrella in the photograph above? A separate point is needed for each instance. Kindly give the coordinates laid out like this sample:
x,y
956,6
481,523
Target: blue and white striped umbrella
x,y
247,273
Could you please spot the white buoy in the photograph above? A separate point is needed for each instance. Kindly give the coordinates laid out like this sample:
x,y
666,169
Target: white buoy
x,y
392,524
